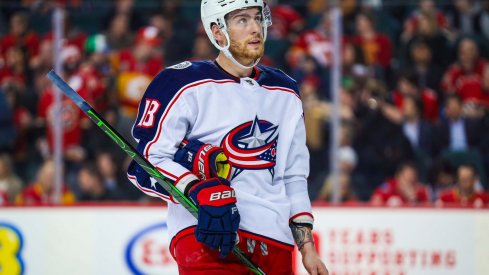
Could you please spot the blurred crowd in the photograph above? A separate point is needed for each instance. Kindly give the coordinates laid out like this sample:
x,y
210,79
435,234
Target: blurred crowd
x,y
414,97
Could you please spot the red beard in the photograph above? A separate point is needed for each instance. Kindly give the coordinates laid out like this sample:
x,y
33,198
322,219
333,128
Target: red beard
x,y
242,53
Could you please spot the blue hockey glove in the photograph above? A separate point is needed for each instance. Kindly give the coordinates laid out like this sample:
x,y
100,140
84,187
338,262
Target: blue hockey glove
x,y
218,218
204,160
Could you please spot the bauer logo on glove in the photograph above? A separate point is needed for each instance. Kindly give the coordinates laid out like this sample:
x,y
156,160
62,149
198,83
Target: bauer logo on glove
x,y
218,218
204,160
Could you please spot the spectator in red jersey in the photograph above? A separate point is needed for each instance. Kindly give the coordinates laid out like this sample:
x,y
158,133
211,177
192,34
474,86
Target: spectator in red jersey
x,y
144,57
457,132
71,116
96,73
376,47
313,42
71,58
41,191
469,76
20,35
14,71
40,65
43,61
287,22
72,36
403,189
427,7
136,67
465,193
408,86
83,73
10,184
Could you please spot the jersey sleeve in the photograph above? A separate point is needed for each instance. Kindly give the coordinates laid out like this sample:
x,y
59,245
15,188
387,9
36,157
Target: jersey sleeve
x,y
163,120
296,173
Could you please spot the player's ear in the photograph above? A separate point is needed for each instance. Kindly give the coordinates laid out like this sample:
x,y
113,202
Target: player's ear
x,y
218,35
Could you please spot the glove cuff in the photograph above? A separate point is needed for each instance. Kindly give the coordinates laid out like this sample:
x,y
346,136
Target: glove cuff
x,y
201,167
185,182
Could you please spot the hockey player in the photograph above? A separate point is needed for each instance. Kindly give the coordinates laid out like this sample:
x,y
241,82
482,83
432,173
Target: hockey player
x,y
243,161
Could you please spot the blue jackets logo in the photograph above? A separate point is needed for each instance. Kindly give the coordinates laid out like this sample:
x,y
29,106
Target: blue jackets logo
x,y
252,146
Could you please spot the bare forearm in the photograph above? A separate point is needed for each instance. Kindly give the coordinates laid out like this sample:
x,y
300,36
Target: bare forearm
x,y
302,234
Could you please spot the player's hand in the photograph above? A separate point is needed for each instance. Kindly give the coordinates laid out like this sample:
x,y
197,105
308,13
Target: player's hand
x,y
218,218
311,260
204,160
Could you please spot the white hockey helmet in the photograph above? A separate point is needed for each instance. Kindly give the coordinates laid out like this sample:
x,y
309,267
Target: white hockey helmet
x,y
214,11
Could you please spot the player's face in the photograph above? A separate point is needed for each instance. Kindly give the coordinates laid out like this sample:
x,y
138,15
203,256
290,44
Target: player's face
x,y
245,28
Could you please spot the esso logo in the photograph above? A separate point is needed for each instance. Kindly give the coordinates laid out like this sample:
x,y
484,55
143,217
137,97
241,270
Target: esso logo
x,y
148,253
11,243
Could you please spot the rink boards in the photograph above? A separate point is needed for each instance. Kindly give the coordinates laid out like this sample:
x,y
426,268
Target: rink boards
x,y
351,240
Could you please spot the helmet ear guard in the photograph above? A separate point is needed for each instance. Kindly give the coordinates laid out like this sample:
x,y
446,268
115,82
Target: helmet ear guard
x,y
214,12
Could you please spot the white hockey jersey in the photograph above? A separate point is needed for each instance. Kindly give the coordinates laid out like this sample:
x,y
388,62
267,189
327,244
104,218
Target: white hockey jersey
x,y
257,120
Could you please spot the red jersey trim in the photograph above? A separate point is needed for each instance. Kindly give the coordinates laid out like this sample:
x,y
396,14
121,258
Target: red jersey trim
x,y
241,233
168,174
135,182
281,89
181,177
301,214
270,241
182,233
257,73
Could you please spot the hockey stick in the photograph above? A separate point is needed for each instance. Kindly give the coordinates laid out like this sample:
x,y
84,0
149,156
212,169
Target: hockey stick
x,y
143,162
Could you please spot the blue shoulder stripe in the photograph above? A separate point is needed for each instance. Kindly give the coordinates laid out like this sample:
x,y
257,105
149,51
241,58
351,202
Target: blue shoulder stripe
x,y
276,77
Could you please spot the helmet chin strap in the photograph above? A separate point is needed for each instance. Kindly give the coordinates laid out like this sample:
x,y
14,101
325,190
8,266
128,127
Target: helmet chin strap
x,y
229,55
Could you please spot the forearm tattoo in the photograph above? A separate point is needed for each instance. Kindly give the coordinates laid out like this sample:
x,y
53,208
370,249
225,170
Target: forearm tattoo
x,y
302,234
